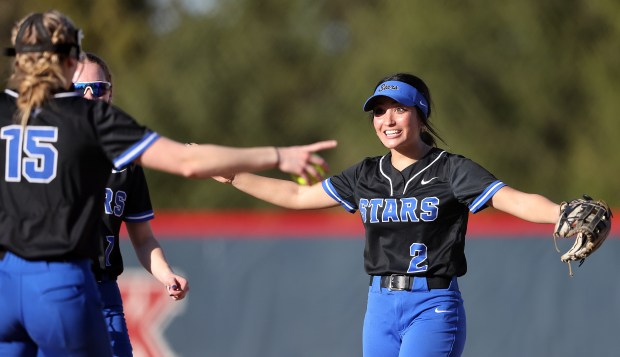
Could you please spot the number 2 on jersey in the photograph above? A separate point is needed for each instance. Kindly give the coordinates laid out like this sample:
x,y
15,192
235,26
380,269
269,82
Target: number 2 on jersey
x,y
418,252
37,161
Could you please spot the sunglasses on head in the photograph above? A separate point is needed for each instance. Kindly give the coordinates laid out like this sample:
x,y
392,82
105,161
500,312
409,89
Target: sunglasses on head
x,y
97,88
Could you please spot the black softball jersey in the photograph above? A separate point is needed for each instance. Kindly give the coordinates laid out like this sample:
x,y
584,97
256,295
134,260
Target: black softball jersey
x,y
127,200
415,220
55,172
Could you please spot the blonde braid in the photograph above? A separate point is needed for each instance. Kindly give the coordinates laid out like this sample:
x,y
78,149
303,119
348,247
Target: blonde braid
x,y
36,75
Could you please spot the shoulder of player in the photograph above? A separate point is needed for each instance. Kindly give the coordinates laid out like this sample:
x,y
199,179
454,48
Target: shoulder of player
x,y
12,94
68,105
458,165
362,168
9,93
7,105
448,156
94,109
372,162
375,160
8,102
449,161
59,101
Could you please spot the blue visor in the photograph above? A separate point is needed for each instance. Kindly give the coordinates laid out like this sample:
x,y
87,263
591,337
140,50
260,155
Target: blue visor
x,y
401,92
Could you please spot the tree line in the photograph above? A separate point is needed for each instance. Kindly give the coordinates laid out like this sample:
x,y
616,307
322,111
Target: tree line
x,y
527,89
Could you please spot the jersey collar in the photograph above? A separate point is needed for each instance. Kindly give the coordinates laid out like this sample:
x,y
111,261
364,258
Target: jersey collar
x,y
386,168
63,94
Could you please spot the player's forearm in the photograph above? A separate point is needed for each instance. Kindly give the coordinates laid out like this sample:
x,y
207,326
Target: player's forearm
x,y
211,160
539,209
530,207
151,256
203,161
278,192
160,268
284,193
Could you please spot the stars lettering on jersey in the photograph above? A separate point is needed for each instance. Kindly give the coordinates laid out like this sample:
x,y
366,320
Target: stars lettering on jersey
x,y
407,209
114,202
148,311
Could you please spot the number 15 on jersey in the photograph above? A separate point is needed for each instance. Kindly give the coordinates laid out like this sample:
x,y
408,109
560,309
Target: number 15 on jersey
x,y
37,161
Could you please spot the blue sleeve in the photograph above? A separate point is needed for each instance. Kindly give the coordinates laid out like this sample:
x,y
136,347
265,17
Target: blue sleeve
x,y
480,201
472,184
135,150
121,138
333,193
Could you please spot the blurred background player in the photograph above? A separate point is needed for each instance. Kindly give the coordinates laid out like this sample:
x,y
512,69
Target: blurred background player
x,y
414,202
126,200
58,150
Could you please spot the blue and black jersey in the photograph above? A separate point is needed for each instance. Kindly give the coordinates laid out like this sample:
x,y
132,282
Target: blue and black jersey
x,y
127,199
415,219
55,173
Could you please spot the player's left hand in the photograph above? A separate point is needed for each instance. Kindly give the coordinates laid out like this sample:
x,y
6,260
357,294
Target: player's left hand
x,y
301,160
177,287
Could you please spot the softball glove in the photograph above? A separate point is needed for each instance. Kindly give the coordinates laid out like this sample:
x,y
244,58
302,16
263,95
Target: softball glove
x,y
587,220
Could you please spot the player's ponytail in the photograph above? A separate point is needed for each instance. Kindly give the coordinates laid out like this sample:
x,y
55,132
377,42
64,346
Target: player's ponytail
x,y
42,42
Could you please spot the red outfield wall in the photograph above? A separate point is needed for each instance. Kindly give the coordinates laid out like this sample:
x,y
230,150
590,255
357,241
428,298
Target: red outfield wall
x,y
319,225
279,283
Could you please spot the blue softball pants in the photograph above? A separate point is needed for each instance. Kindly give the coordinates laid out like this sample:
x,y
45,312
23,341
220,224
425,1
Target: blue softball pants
x,y
115,318
50,309
416,323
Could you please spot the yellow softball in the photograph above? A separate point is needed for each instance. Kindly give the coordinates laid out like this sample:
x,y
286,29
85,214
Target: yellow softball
x,y
302,181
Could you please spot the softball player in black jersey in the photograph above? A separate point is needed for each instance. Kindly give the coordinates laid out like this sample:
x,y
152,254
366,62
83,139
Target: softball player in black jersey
x,y
127,200
414,202
57,151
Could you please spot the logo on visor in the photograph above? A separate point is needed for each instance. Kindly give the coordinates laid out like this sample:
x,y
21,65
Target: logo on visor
x,y
387,87
422,104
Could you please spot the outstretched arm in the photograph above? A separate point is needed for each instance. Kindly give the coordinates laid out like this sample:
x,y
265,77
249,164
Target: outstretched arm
x,y
287,194
204,161
152,258
530,207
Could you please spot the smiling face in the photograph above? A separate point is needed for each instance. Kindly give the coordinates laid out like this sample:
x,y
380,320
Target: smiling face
x,y
397,126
